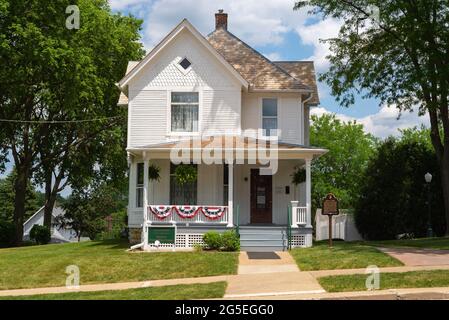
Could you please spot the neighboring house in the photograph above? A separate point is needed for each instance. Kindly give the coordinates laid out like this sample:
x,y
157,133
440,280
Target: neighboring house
x,y
58,234
343,227
214,90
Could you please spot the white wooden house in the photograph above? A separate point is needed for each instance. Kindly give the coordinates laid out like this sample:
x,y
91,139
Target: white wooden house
x,y
195,93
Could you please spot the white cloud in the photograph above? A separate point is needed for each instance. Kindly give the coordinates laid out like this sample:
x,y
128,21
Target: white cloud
x,y
384,123
123,4
313,33
258,22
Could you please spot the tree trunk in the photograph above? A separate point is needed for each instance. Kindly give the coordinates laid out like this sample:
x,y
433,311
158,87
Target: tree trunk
x,y
20,188
444,168
49,200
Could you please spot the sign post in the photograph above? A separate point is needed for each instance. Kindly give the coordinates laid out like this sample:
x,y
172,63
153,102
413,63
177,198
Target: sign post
x,y
330,208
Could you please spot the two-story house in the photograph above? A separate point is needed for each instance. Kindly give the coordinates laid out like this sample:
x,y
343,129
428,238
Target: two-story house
x,y
198,94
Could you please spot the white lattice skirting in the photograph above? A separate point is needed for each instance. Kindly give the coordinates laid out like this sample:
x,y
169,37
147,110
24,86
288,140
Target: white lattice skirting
x,y
183,240
301,241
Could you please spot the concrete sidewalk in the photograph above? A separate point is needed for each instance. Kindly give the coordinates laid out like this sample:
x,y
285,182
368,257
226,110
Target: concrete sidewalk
x,y
390,294
270,277
324,273
113,286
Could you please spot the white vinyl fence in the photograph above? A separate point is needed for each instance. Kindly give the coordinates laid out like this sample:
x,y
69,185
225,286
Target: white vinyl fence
x,y
343,227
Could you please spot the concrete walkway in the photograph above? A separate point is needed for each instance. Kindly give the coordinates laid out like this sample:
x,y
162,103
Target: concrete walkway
x,y
324,273
418,257
113,286
390,294
270,277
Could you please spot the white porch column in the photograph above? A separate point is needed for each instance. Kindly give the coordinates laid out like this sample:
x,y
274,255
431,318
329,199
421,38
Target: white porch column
x,y
145,199
309,192
231,194
294,206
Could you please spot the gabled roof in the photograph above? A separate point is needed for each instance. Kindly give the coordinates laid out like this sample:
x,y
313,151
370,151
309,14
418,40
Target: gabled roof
x,y
303,71
185,24
260,72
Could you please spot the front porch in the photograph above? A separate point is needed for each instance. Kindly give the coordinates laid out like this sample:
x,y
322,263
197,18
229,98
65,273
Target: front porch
x,y
268,211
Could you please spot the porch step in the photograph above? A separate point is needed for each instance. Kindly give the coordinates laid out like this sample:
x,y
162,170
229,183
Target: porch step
x,y
263,238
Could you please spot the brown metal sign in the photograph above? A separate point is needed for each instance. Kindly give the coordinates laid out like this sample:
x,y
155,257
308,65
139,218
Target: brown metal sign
x,y
330,206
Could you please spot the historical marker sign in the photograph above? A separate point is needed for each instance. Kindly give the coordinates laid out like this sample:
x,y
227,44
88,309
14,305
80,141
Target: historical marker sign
x,y
330,208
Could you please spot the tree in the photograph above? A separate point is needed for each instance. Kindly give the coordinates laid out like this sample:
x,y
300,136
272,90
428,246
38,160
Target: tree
x,y
393,194
86,210
339,170
32,199
400,55
57,93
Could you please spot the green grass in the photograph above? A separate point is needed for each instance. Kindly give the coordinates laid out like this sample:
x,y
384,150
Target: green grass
x,y
105,262
343,255
178,292
429,243
414,279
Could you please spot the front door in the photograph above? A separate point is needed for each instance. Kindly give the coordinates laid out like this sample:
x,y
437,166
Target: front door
x,y
261,197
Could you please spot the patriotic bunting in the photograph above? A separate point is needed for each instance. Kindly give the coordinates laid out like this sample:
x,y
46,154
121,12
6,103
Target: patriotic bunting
x,y
187,212
213,213
161,212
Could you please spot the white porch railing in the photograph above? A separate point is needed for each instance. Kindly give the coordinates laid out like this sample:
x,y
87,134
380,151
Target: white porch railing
x,y
299,215
172,214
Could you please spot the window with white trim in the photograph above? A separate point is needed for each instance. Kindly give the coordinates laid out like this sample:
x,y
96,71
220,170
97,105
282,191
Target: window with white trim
x,y
139,185
185,194
184,111
269,116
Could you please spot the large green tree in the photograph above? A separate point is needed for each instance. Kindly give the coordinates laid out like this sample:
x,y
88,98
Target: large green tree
x,y
33,201
339,170
393,198
397,51
57,94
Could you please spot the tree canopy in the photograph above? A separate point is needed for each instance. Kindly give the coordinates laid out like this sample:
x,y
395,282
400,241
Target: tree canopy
x,y
60,119
339,170
396,51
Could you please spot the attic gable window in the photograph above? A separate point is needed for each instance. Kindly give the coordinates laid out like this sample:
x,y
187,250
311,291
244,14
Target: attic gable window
x,y
185,63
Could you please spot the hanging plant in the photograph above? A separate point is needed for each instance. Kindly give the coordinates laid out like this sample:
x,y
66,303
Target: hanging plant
x,y
185,173
299,176
154,173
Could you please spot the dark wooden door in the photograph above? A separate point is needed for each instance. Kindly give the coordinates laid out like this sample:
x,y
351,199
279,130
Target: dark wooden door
x,y
261,197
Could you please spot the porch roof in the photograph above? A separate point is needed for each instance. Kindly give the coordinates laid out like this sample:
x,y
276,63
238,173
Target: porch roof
x,y
232,143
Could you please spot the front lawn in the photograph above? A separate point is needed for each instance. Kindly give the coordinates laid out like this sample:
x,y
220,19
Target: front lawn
x,y
414,279
105,262
178,292
343,255
426,243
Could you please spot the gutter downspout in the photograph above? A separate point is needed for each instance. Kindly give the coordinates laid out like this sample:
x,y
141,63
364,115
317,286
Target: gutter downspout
x,y
303,103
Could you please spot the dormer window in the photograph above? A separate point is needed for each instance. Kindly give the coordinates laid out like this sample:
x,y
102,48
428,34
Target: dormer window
x,y
185,63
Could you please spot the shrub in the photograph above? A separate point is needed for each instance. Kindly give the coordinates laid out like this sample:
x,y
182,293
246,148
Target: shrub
x,y
197,247
230,241
40,234
7,231
213,240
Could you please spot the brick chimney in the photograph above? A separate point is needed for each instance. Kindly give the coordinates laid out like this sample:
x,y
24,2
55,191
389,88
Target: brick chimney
x,y
221,20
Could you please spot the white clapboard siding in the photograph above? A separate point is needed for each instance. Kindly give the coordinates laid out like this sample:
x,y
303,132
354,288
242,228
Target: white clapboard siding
x,y
290,118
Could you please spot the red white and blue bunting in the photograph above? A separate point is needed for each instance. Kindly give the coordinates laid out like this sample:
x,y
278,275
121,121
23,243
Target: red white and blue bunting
x,y
161,212
213,213
187,212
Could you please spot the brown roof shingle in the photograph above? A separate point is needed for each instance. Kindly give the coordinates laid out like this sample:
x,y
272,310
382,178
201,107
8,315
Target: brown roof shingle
x,y
261,73
304,71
